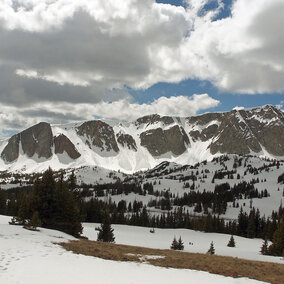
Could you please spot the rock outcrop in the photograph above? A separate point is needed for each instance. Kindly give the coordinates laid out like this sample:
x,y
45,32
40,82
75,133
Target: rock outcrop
x,y
63,144
36,140
98,134
241,131
127,140
159,141
154,118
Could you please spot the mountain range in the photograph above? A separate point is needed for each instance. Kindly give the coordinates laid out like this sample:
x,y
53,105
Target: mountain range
x,y
147,141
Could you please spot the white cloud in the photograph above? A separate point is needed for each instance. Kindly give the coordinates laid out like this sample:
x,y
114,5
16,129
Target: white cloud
x,y
64,54
139,43
13,119
60,77
238,108
174,106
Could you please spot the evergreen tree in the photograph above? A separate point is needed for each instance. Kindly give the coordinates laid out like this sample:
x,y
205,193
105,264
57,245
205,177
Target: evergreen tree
x,y
45,199
180,245
174,244
105,231
72,181
211,249
72,185
24,209
67,215
251,224
35,221
242,223
231,242
264,247
277,247
2,201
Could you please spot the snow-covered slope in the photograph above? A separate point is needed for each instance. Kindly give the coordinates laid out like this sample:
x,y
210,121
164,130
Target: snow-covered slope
x,y
32,257
200,241
146,142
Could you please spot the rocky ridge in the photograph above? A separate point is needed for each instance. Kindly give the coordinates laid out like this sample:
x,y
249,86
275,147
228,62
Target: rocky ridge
x,y
147,141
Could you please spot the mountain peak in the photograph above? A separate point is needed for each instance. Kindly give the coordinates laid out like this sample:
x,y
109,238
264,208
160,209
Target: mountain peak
x,y
147,141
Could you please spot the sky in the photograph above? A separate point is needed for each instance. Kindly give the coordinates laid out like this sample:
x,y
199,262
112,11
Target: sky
x,y
66,60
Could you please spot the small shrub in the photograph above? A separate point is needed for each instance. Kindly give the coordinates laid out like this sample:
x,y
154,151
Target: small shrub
x,y
211,249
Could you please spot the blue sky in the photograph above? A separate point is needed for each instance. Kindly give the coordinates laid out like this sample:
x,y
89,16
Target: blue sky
x,y
188,87
65,61
228,100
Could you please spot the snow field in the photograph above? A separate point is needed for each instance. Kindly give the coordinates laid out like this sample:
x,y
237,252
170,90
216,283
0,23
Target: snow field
x,y
162,239
31,257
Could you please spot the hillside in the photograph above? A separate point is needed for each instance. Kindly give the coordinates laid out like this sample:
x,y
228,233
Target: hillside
x,y
236,181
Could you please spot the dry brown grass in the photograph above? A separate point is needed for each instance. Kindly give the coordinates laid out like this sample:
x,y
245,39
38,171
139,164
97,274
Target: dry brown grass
x,y
228,266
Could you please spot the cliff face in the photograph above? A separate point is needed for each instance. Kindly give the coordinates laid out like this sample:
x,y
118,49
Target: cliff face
x,y
144,142
241,132
98,134
37,139
159,141
63,144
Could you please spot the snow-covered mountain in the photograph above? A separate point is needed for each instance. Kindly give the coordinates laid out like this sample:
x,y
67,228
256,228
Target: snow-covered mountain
x,y
146,142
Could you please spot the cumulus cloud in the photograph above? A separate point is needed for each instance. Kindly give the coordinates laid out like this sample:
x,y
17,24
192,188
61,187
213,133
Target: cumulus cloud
x,y
69,53
139,43
181,106
13,119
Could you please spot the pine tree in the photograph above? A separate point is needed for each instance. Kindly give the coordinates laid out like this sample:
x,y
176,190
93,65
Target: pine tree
x,y
251,224
24,208
211,249
277,247
45,199
72,185
35,221
231,242
105,231
180,245
2,201
174,244
264,247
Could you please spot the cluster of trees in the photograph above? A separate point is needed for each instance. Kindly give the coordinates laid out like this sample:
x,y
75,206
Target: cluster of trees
x,y
277,246
177,245
51,204
248,225
217,200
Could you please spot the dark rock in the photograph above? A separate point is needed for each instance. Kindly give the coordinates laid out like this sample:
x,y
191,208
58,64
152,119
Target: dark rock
x,y
234,137
100,135
154,118
37,139
63,144
204,118
11,151
267,125
159,141
243,131
205,134
127,140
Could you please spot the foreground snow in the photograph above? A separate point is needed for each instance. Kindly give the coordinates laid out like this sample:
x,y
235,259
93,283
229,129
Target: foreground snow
x,y
32,257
